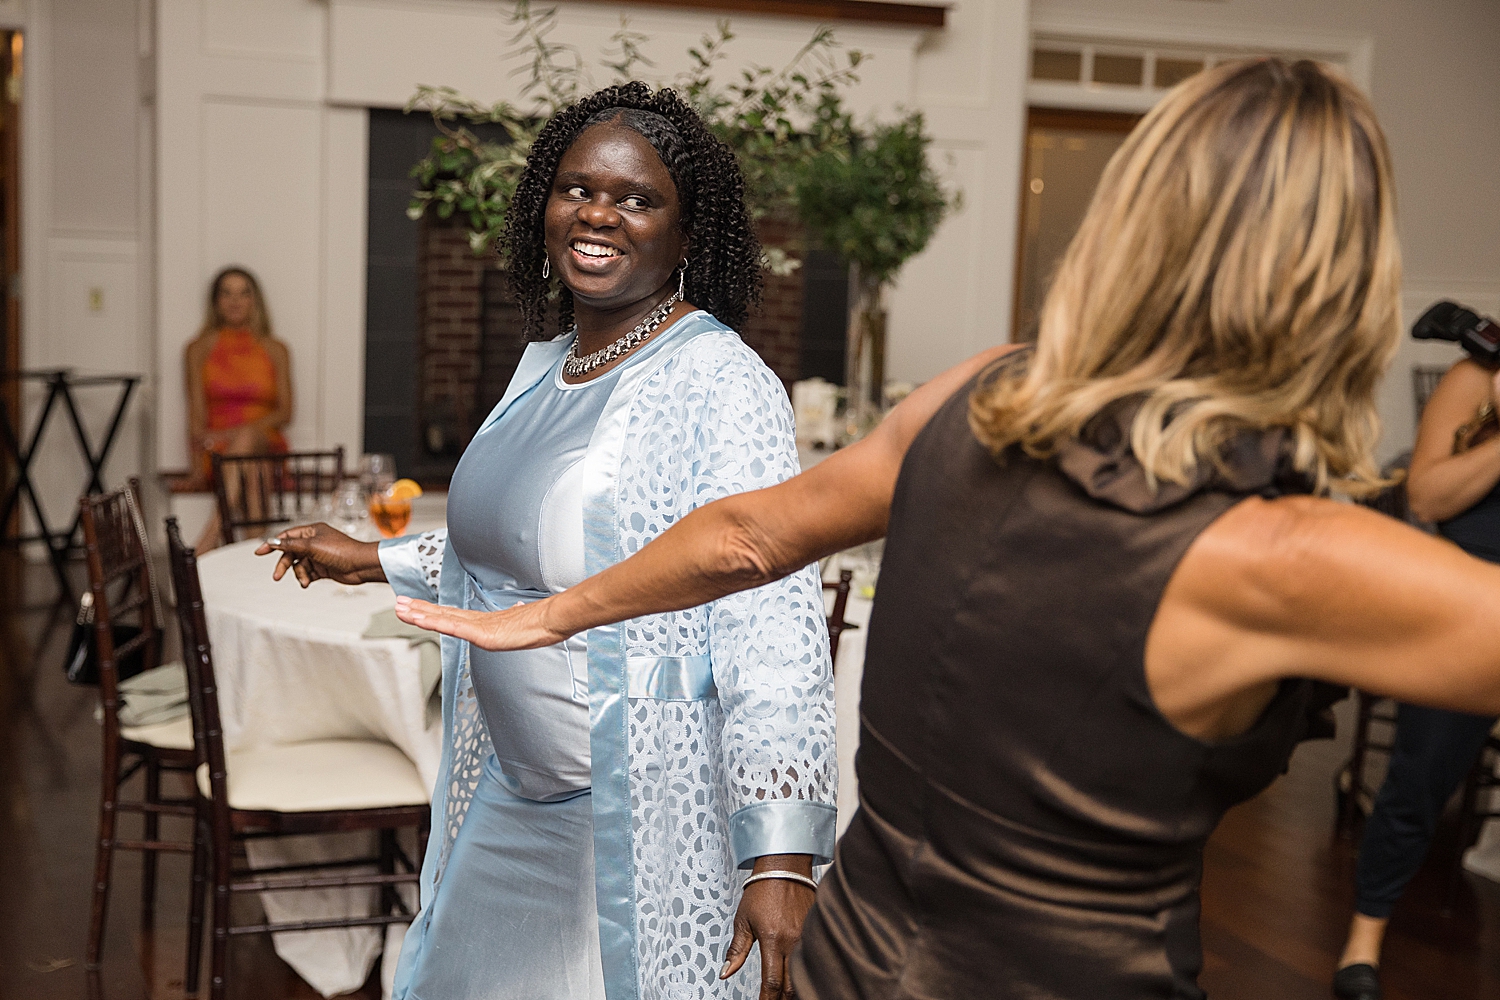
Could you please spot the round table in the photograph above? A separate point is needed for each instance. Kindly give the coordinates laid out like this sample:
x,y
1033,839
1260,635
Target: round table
x,y
292,665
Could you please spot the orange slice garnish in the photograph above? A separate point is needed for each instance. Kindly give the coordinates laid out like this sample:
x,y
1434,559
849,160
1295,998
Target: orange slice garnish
x,y
404,489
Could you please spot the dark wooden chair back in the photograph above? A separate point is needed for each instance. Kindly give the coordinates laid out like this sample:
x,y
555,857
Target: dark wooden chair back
x,y
121,587
256,492
123,590
837,626
197,658
228,827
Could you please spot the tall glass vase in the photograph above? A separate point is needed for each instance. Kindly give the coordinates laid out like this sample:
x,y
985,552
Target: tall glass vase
x,y
864,356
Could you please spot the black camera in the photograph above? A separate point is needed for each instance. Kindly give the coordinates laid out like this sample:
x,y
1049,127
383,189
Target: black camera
x,y
1474,333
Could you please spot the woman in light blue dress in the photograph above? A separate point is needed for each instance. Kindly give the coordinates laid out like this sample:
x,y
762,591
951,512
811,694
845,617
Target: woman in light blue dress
x,y
628,813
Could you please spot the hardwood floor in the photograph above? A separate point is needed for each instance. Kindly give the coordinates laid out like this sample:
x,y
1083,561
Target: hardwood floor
x,y
1276,894
49,801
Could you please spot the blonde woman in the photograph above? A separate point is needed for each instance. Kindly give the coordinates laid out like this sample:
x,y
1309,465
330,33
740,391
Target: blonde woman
x,y
1108,573
239,379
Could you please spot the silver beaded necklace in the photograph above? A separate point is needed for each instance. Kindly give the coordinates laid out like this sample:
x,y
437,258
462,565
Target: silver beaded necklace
x,y
574,366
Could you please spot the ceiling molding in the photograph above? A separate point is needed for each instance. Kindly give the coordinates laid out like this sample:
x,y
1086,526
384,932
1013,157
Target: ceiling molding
x,y
920,15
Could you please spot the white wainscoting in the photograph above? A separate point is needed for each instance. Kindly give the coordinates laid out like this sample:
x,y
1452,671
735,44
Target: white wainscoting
x,y
91,310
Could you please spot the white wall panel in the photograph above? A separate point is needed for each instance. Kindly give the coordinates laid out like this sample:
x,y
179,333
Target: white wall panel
x,y
954,299
937,309
240,180
345,219
274,29
91,311
262,188
379,50
954,65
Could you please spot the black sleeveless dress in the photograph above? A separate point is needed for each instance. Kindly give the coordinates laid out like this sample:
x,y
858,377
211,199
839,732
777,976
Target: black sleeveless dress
x,y
1030,825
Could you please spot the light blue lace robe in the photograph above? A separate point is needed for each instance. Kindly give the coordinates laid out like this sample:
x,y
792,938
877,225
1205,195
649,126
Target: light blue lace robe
x,y
711,729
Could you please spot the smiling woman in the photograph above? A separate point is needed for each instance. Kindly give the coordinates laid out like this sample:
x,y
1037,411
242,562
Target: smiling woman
x,y
604,800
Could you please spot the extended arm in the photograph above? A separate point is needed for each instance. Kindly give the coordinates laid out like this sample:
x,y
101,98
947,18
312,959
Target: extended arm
x,y
192,362
734,544
281,360
1299,587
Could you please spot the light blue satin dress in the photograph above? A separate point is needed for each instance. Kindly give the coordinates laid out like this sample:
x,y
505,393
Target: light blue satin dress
x,y
517,914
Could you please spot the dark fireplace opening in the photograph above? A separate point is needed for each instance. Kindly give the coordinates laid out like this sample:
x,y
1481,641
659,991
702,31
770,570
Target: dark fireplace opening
x,y
442,333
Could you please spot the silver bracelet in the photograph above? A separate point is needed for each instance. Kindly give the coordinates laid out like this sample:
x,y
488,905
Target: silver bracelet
x,y
793,876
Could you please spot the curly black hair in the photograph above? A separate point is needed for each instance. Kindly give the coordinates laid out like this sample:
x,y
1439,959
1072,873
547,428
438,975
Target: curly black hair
x,y
724,256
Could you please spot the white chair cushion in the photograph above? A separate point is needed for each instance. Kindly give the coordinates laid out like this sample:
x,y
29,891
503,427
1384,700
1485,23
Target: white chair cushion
x,y
320,776
174,735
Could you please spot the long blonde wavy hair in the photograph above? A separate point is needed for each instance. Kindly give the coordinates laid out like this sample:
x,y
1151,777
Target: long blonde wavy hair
x,y
1237,269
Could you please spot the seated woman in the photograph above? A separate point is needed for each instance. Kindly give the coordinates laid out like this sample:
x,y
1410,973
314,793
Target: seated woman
x,y
1109,580
239,381
602,801
239,384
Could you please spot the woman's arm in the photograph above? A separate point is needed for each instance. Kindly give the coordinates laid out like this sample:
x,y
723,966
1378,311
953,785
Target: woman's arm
x,y
192,363
281,360
1442,485
734,544
1299,587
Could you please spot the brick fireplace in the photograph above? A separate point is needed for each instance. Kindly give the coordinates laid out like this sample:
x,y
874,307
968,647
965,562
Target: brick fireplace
x,y
469,341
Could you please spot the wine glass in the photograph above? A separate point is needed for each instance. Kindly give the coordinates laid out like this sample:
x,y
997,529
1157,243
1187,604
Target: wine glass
x,y
377,471
391,515
350,512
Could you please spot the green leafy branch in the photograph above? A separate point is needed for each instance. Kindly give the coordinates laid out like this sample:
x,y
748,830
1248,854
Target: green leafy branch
x,y
870,196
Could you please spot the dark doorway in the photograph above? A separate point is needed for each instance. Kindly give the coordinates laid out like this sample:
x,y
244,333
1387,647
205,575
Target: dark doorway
x,y
397,141
10,249
396,420
1066,152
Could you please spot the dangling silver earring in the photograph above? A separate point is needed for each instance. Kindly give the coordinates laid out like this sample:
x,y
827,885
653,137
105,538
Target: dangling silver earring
x,y
546,267
682,278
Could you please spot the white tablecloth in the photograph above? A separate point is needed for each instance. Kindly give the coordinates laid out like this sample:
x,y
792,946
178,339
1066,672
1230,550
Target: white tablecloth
x,y
291,666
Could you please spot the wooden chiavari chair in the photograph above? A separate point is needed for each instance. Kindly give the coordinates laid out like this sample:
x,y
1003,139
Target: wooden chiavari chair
x,y
256,492
837,626
325,786
123,587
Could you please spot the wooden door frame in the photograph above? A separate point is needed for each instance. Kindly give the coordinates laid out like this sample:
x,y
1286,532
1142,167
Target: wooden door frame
x,y
10,232
1118,122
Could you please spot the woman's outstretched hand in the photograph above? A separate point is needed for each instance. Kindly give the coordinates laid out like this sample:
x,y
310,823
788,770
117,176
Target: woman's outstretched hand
x,y
517,627
771,912
319,552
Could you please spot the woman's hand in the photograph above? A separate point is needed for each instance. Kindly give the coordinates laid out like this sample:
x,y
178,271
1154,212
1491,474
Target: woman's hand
x,y
771,911
520,626
319,552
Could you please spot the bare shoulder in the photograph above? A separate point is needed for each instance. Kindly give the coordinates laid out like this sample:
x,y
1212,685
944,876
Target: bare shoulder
x,y
1265,562
907,420
1466,374
278,349
198,346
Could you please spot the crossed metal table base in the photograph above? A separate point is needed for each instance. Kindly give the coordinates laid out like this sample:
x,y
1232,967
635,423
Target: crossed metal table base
x,y
60,383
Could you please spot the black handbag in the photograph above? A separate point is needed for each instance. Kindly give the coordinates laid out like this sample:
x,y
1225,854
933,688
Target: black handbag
x,y
83,652
82,662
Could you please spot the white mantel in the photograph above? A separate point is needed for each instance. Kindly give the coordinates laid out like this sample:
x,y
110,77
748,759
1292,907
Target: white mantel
x,y
379,50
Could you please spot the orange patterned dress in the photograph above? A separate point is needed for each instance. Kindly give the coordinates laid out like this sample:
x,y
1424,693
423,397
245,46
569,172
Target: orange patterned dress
x,y
239,383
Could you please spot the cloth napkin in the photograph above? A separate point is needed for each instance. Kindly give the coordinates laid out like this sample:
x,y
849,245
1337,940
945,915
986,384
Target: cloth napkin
x,y
152,696
385,625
